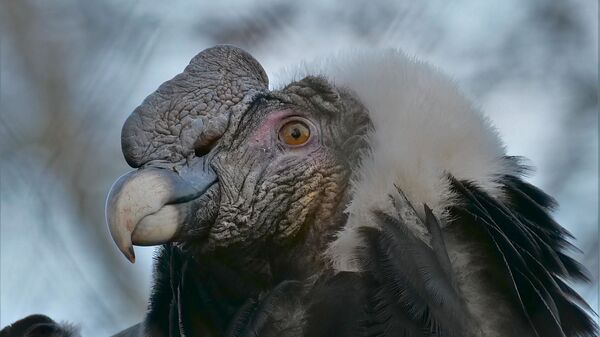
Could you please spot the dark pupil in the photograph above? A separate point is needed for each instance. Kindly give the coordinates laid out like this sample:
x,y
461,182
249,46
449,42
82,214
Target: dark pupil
x,y
296,133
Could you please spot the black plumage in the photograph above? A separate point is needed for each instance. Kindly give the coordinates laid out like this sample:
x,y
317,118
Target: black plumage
x,y
39,326
530,247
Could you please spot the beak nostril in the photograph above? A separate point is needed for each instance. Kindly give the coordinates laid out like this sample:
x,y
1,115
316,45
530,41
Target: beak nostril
x,y
203,147
202,151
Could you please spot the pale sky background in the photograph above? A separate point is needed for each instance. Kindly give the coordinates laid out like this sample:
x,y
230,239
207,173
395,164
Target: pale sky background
x,y
71,71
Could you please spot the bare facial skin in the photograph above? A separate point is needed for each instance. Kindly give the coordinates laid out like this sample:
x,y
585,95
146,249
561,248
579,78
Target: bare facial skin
x,y
230,168
283,196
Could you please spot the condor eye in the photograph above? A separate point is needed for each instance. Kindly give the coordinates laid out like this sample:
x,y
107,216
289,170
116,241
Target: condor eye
x,y
294,133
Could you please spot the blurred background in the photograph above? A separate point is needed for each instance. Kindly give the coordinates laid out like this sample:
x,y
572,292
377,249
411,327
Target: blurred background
x,y
72,71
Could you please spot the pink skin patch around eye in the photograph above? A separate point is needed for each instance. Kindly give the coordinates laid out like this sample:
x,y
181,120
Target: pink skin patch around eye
x,y
262,136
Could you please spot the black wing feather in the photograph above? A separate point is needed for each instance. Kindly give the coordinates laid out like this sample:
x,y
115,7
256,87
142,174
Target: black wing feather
x,y
259,321
513,246
531,245
386,317
415,293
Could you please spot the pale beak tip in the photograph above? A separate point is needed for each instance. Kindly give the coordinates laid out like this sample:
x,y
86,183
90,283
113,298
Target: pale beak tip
x,y
129,253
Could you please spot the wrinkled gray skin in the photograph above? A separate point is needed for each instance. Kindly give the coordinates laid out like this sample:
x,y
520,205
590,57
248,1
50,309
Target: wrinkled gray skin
x,y
213,132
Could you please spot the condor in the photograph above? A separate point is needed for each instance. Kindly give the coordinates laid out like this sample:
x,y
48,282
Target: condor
x,y
366,197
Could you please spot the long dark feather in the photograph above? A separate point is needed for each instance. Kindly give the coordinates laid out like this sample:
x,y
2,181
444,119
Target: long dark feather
x,y
415,295
385,316
530,246
508,249
260,323
241,319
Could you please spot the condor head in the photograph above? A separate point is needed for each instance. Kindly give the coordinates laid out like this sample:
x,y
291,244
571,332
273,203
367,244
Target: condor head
x,y
222,163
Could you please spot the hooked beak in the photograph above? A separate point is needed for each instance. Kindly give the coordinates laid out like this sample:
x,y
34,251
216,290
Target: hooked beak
x,y
149,206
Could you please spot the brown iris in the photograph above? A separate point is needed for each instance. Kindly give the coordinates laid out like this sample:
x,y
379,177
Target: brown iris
x,y
294,133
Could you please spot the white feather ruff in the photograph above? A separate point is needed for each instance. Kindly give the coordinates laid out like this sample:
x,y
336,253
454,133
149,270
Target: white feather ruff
x,y
424,127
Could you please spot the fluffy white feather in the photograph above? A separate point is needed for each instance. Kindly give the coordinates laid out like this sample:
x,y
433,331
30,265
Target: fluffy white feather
x,y
424,127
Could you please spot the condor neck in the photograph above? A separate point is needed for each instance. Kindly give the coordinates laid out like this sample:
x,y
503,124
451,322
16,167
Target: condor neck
x,y
304,256
207,286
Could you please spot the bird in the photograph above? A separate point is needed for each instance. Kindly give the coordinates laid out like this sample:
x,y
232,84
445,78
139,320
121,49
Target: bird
x,y
363,194
39,326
